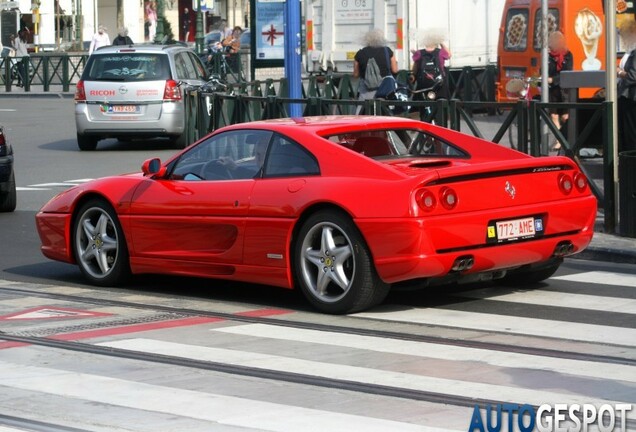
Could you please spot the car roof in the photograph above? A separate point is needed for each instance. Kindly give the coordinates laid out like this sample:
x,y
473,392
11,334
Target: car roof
x,y
143,48
325,125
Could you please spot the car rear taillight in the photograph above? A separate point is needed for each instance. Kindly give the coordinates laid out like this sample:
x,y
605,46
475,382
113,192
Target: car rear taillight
x,y
426,200
80,93
3,140
565,183
580,182
448,198
172,91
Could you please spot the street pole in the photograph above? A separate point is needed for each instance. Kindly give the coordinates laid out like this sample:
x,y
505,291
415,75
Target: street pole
x,y
198,35
292,55
545,86
160,18
611,93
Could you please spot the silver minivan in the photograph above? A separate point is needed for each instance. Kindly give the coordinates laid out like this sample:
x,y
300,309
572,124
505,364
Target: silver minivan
x,y
135,91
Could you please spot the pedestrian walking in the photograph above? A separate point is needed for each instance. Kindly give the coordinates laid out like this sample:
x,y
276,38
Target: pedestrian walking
x,y
99,40
150,13
22,56
122,37
627,88
185,24
559,59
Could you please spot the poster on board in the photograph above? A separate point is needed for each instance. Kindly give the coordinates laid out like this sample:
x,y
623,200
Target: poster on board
x,y
268,34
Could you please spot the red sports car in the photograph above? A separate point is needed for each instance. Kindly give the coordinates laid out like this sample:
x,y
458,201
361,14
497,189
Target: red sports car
x,y
341,207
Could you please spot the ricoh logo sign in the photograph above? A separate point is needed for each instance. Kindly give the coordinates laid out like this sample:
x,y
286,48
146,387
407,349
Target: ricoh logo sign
x,y
549,418
102,93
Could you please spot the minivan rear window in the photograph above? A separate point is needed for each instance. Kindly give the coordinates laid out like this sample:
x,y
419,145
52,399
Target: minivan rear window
x,y
516,30
127,67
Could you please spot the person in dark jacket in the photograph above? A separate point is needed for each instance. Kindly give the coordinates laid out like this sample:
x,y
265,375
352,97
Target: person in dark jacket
x,y
559,59
122,37
627,88
375,48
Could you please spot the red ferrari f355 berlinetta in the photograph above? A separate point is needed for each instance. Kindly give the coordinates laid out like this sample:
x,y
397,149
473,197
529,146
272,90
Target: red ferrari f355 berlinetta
x,y
340,207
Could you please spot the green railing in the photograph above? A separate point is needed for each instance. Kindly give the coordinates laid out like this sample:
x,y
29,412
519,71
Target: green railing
x,y
42,70
207,112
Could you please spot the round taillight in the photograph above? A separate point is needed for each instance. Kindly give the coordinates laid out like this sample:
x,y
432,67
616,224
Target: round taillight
x,y
565,183
448,198
580,182
426,200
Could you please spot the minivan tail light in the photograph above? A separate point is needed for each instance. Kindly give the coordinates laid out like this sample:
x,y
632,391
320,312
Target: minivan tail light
x,y
80,93
172,91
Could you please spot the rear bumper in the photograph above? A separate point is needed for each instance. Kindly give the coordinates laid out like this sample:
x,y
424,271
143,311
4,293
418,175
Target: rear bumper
x,y
171,122
427,247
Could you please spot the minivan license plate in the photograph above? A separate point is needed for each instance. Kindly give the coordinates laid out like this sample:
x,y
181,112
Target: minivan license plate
x,y
124,109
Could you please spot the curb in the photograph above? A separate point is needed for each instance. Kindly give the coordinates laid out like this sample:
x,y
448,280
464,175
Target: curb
x,y
599,253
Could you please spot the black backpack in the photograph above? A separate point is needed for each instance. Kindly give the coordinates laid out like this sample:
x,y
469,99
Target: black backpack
x,y
428,68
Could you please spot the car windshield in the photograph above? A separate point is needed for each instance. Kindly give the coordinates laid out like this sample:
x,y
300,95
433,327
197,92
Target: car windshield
x,y
127,67
396,143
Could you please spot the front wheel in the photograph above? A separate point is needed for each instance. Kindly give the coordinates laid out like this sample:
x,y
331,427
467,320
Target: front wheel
x,y
99,244
333,265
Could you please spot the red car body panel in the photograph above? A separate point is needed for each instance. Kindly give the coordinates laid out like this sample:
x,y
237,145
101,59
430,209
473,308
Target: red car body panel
x,y
244,229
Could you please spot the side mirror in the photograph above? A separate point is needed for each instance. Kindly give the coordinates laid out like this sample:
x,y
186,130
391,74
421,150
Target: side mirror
x,y
152,167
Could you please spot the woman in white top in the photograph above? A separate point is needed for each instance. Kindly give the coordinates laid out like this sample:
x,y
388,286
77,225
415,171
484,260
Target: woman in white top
x,y
100,39
20,46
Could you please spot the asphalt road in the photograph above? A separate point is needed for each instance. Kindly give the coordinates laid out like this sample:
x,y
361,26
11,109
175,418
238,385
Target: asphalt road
x,y
181,354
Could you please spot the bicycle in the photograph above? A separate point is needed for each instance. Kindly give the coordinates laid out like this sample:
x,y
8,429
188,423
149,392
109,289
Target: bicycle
x,y
520,88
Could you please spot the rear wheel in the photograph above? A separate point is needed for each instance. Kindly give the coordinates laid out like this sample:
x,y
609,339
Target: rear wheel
x,y
9,199
333,265
99,245
532,275
86,143
181,141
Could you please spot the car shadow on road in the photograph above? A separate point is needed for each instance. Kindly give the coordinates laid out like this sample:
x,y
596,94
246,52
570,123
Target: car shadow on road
x,y
113,145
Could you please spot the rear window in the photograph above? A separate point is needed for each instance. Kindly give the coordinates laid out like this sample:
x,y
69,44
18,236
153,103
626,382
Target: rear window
x,y
553,25
516,30
396,143
127,67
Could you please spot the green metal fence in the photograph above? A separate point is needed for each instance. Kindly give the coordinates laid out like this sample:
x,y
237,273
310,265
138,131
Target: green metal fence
x,y
42,70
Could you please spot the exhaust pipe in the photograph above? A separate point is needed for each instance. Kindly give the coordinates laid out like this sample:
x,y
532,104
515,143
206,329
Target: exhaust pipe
x,y
563,248
463,263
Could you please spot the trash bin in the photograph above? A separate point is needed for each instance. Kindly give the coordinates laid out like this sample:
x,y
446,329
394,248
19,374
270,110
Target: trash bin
x,y
627,193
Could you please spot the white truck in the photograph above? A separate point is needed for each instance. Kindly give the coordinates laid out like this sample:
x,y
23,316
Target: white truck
x,y
334,29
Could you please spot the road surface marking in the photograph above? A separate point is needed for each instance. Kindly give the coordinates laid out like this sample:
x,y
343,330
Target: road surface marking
x,y
345,372
558,299
225,410
602,278
506,324
436,351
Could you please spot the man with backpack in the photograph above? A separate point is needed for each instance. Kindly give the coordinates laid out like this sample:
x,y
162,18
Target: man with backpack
x,y
372,64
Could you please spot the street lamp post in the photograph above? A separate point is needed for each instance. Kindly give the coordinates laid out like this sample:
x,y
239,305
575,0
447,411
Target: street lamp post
x,y
198,36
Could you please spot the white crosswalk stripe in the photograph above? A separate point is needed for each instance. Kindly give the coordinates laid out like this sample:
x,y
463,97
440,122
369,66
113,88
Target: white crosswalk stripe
x,y
53,185
225,410
601,277
427,367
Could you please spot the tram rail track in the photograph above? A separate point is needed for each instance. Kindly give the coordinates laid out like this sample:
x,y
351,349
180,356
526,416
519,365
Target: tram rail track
x,y
304,325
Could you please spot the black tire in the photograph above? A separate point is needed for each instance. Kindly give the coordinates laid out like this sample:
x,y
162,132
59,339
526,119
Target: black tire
x,y
86,143
362,288
533,274
99,245
9,199
181,141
